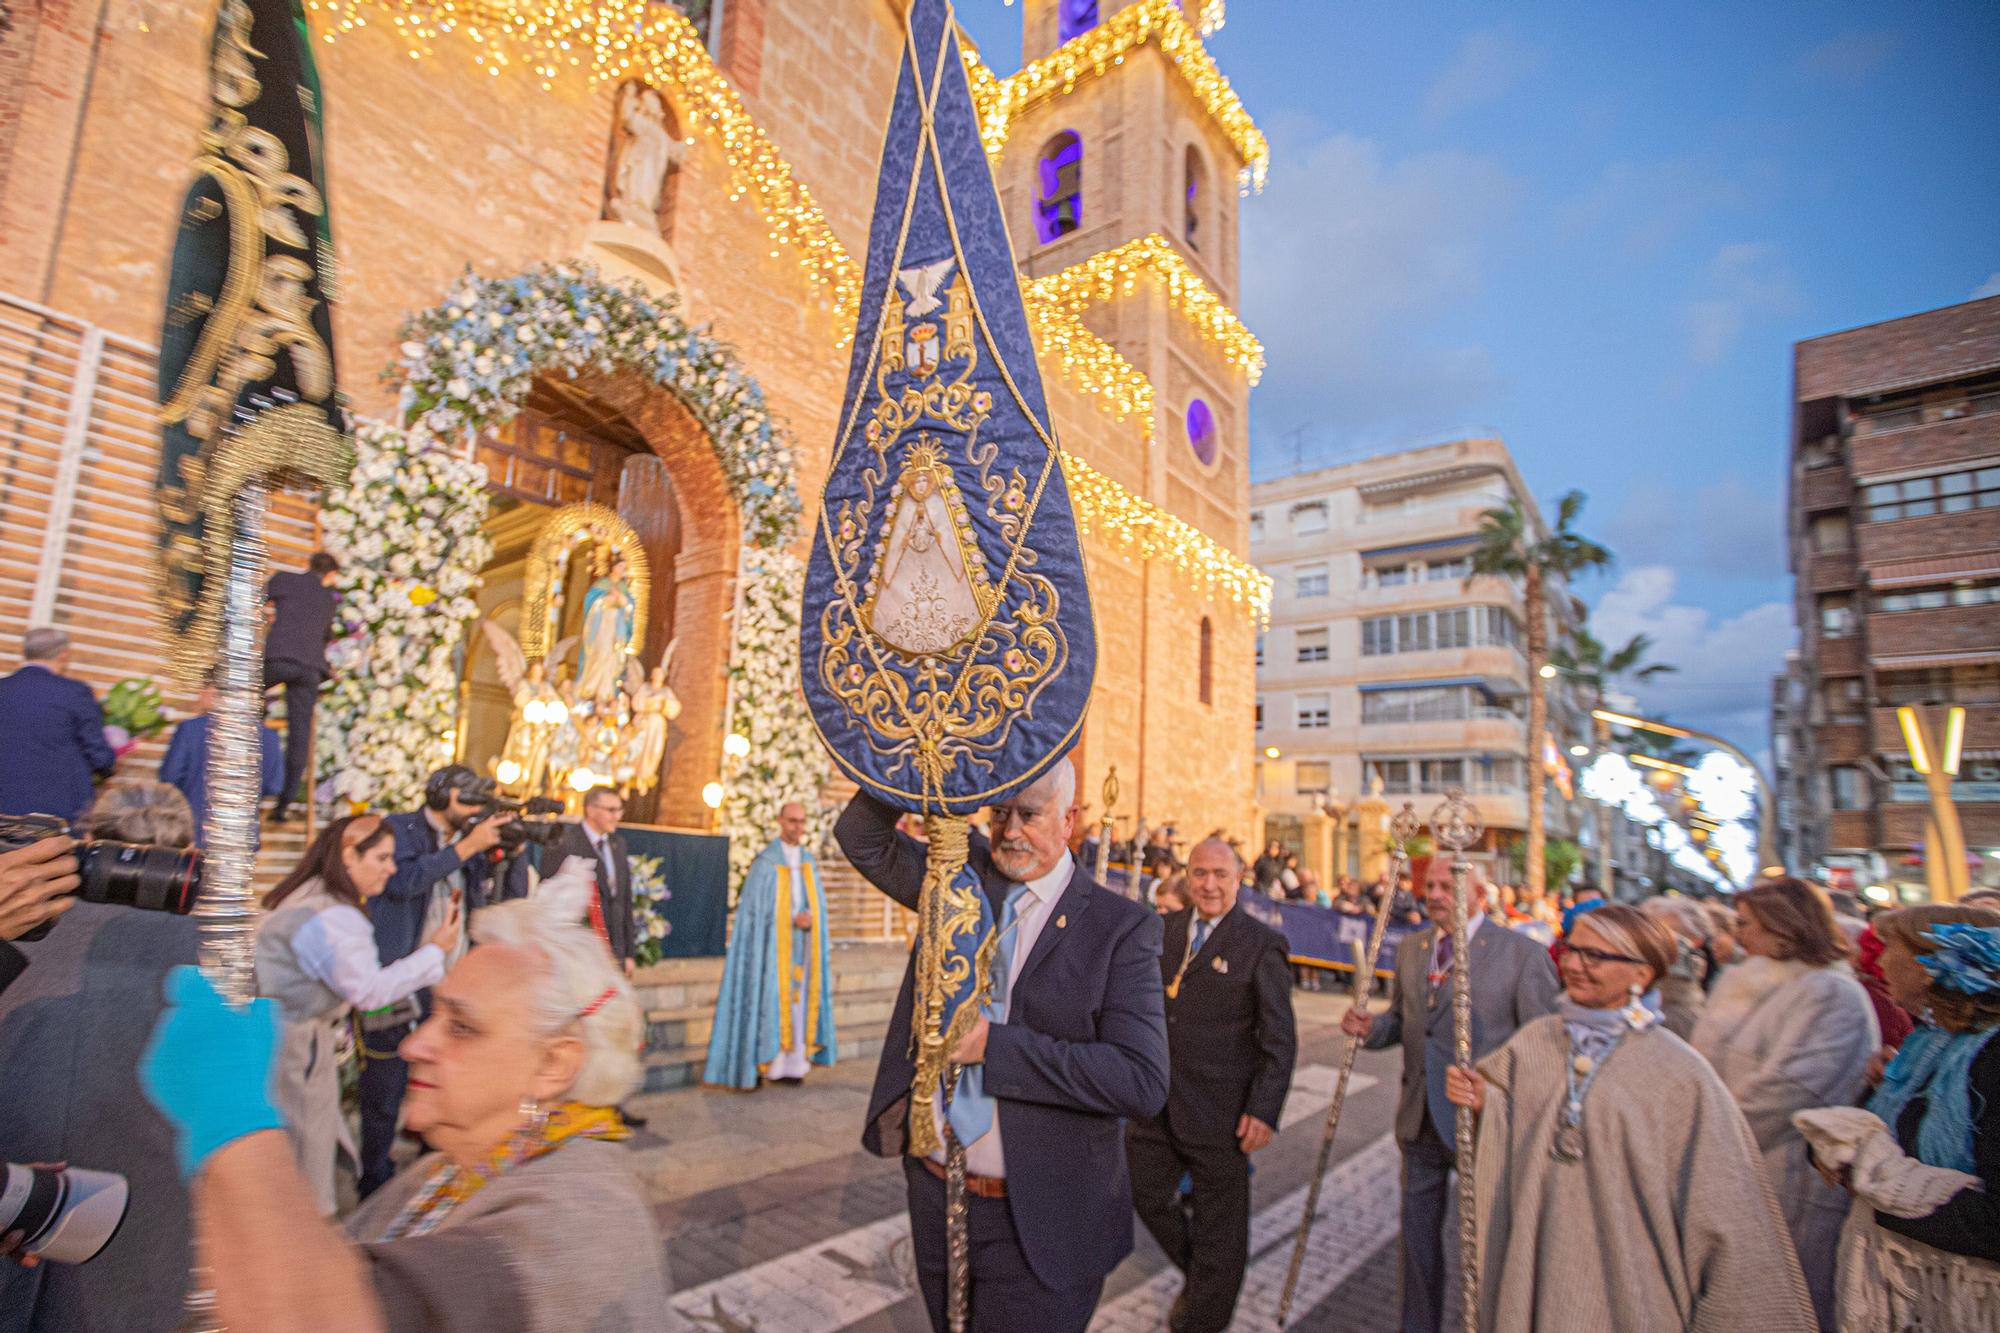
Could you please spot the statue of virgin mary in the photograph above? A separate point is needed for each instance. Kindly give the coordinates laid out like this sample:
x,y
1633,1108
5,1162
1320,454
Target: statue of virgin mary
x,y
607,634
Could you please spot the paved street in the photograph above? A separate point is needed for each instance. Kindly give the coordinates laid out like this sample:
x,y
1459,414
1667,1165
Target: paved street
x,y
778,1223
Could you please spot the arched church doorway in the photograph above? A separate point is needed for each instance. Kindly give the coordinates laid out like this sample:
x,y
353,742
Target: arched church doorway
x,y
645,559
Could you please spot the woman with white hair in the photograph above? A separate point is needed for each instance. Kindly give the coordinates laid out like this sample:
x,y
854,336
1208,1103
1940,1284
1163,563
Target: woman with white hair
x,y
525,1217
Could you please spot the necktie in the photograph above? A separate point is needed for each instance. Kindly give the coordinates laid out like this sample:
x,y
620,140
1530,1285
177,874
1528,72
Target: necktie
x,y
1196,938
1442,969
1201,929
971,1112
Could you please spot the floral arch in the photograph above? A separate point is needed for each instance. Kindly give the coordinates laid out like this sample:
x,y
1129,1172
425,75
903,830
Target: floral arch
x,y
409,535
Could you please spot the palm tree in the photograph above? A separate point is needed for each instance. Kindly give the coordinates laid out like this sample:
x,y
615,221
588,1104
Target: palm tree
x,y
1514,545
1585,660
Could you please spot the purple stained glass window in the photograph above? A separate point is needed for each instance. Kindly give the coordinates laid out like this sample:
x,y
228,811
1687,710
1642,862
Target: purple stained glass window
x,y
1201,432
1059,187
1075,17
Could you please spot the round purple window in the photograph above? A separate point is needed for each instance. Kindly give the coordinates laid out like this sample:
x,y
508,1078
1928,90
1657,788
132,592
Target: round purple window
x,y
1201,432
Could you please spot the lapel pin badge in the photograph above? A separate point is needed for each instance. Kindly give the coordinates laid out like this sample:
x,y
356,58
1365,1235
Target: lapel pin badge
x,y
1220,964
1061,921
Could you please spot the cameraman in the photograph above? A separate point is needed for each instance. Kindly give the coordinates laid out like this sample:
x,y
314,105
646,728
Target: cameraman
x,y
36,884
68,1030
443,850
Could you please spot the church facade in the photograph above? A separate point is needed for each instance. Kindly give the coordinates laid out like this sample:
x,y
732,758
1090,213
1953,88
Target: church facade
x,y
724,157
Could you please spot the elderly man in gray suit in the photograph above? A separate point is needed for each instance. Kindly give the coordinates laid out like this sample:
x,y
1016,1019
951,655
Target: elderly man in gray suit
x,y
1512,982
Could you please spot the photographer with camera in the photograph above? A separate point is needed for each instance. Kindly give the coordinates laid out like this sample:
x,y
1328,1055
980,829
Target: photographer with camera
x,y
444,851
316,956
37,884
71,1030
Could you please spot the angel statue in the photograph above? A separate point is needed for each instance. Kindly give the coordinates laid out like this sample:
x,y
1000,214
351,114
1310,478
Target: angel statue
x,y
607,633
654,704
566,739
538,709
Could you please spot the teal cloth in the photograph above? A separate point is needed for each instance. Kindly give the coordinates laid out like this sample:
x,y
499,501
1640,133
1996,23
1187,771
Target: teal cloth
x,y
745,1036
971,1112
208,1067
1935,1065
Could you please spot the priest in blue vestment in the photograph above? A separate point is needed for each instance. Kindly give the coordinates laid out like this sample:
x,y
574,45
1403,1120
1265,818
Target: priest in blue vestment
x,y
774,1015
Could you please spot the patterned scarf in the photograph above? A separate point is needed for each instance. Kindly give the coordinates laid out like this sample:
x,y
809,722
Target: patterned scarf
x,y
1935,1065
449,1186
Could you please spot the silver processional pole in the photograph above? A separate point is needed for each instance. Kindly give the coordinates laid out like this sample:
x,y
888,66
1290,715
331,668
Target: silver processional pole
x,y
1456,826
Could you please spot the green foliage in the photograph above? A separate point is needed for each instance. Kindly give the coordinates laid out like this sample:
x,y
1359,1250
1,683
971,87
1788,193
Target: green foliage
x,y
136,705
1561,858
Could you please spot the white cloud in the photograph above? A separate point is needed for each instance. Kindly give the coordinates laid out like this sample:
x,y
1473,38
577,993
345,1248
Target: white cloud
x,y
1723,684
1741,282
1349,259
1849,58
1990,287
1486,67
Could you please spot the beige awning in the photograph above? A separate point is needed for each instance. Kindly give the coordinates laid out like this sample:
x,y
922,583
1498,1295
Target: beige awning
x,y
1939,569
1917,661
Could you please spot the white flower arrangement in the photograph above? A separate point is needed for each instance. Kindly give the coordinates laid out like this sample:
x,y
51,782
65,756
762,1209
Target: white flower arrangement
x,y
415,510
767,707
650,926
408,530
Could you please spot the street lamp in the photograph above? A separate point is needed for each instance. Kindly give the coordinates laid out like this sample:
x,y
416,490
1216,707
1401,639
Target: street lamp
x,y
1944,854
1767,819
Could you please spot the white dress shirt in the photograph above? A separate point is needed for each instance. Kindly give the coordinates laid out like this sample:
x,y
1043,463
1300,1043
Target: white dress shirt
x,y
794,855
984,1156
337,949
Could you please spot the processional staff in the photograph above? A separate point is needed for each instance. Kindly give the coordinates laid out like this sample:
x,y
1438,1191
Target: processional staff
x,y
1456,826
1402,830
1103,865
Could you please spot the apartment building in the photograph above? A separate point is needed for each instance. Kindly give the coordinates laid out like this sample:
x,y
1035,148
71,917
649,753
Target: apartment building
x,y
1384,658
1893,524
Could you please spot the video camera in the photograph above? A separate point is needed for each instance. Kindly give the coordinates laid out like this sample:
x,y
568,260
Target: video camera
x,y
533,824
124,874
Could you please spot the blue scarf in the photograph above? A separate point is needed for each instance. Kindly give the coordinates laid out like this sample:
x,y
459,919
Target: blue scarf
x,y
1935,1065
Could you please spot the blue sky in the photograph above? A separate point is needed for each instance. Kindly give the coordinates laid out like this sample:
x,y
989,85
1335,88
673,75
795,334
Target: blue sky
x,y
1597,229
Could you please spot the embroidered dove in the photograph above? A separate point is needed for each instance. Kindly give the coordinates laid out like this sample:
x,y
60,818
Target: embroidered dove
x,y
922,284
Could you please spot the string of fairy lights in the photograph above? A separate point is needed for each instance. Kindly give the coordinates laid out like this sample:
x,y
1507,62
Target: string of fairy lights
x,y
614,40
1118,271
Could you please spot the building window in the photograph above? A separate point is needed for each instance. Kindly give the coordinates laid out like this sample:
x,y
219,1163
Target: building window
x,y
1075,18
1201,432
1260,648
1432,703
1195,186
1260,712
1831,532
1311,581
1312,777
1207,661
1439,571
1315,712
1309,519
1059,186
1422,631
1836,616
1920,497
1391,576
1965,593
1312,644
1436,774
1848,787
1845,701
1256,525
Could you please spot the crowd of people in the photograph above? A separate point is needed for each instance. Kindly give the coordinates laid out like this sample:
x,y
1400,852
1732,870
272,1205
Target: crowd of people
x,y
1774,1112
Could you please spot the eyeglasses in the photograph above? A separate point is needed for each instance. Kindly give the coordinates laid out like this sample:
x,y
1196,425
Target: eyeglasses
x,y
1599,957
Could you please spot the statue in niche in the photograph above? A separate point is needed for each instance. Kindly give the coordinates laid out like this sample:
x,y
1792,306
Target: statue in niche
x,y
644,151
538,712
607,634
654,705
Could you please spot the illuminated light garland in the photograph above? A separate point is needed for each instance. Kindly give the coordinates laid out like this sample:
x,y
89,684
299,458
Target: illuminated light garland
x,y
1104,506
1092,364
612,40
1105,46
1117,272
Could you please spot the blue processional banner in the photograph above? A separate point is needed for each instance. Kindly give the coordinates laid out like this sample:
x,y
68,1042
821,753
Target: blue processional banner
x,y
947,647
1322,937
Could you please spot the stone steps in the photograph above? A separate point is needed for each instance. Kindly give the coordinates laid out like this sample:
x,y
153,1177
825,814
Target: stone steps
x,y
679,996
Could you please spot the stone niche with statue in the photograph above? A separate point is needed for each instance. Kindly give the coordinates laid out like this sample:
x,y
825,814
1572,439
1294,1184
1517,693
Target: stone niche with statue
x,y
584,709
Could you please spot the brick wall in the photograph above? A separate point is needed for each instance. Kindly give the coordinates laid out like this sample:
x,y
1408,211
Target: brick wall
x,y
1936,536
1932,444
1949,629
1938,344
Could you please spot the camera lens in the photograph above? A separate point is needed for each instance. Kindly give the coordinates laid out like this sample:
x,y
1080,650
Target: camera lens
x,y
131,874
67,1216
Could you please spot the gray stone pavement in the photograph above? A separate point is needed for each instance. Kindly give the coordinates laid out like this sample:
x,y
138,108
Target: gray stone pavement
x,y
776,1222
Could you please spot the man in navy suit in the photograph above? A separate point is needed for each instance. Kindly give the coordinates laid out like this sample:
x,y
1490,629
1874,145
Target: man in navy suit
x,y
440,853
1077,1046
54,731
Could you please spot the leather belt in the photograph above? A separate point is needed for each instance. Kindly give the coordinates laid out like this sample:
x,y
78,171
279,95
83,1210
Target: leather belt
x,y
986,1187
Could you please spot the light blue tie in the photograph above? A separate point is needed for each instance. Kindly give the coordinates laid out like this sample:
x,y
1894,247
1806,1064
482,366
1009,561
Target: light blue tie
x,y
971,1111
1200,936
